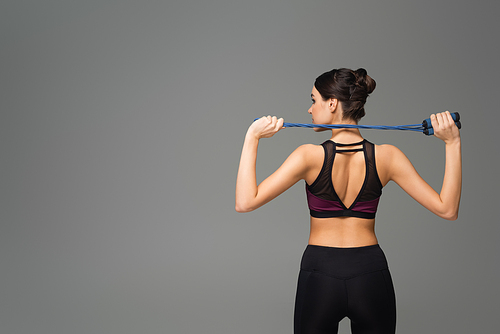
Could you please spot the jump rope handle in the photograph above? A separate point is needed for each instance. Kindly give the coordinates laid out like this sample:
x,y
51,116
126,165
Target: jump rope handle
x,y
429,131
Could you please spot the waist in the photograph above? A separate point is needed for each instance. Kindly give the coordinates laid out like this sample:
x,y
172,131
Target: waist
x,y
342,232
343,262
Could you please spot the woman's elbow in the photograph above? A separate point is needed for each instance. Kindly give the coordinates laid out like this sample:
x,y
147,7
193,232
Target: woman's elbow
x,y
451,215
242,208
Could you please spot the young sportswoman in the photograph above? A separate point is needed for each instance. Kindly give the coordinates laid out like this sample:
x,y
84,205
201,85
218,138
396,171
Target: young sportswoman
x,y
344,272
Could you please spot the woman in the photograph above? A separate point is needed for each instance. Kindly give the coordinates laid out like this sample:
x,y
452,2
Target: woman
x,y
344,272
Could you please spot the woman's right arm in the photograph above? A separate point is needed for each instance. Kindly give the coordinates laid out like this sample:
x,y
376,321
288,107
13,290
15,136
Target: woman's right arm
x,y
446,203
249,195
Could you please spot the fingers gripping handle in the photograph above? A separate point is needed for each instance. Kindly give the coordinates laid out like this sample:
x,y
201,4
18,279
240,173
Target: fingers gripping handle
x,y
429,131
428,125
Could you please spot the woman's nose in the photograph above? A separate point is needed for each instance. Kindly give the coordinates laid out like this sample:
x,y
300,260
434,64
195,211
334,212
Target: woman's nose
x,y
310,110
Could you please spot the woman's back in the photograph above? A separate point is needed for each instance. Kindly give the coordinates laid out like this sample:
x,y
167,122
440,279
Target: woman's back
x,y
343,189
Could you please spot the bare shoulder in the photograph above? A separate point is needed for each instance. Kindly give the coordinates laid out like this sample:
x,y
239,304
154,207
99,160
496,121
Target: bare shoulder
x,y
387,151
309,150
311,157
386,158
310,153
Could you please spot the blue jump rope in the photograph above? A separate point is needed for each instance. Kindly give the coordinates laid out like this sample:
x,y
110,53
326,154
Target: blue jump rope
x,y
425,127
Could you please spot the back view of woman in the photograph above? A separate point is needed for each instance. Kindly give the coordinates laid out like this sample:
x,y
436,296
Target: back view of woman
x,y
344,272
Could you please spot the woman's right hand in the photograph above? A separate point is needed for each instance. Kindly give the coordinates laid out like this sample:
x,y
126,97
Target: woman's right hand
x,y
444,127
266,127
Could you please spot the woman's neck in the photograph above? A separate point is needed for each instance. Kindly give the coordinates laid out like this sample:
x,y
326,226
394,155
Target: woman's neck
x,y
346,135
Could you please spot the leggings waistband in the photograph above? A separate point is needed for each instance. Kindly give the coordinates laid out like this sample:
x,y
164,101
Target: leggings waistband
x,y
343,262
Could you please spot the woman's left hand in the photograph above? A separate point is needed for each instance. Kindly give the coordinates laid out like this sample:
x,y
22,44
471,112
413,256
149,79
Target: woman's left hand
x,y
266,127
444,127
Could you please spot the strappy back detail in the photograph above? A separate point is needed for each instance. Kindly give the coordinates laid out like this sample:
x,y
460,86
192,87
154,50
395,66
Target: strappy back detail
x,y
322,198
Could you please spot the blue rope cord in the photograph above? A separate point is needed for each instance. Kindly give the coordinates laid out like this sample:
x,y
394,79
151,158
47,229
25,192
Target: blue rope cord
x,y
409,127
425,126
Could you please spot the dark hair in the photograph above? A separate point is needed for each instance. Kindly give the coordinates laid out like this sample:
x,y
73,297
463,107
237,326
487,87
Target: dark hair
x,y
350,87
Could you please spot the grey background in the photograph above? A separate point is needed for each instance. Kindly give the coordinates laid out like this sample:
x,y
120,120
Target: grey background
x,y
121,128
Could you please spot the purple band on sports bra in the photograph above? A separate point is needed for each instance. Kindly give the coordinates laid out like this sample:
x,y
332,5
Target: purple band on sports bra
x,y
319,204
368,206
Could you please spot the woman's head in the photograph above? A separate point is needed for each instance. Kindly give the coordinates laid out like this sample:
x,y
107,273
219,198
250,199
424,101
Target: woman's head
x,y
350,88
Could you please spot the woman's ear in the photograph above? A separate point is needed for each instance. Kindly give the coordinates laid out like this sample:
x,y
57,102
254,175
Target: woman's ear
x,y
333,105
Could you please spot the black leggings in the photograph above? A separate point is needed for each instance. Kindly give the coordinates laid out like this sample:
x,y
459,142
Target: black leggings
x,y
344,282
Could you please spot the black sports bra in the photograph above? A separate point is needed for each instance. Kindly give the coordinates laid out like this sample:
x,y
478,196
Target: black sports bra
x,y
322,199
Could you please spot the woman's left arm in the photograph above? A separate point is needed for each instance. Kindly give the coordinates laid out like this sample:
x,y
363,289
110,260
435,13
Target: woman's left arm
x,y
249,195
446,203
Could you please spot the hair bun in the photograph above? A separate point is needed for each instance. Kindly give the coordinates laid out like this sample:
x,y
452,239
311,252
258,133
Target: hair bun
x,y
350,87
363,79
